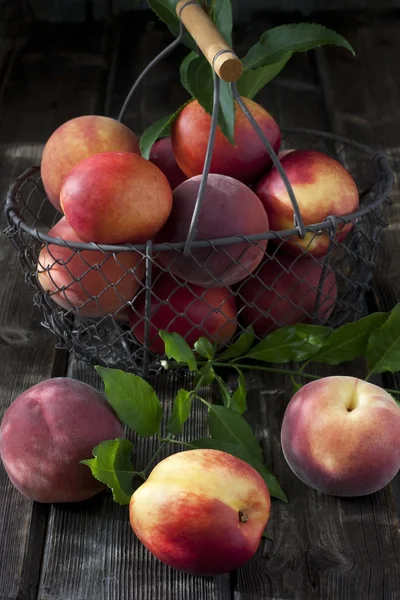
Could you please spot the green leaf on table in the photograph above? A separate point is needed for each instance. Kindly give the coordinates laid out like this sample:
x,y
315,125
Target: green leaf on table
x,y
133,399
227,425
197,77
349,341
222,17
383,351
166,11
241,452
112,466
204,347
239,396
276,43
266,535
180,412
290,343
177,349
240,347
156,130
225,393
253,80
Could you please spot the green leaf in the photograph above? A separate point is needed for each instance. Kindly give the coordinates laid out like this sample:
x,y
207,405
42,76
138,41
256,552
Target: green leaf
x,y
253,80
267,536
166,11
177,349
160,128
241,346
223,388
228,426
274,44
205,375
222,17
291,343
180,412
349,341
112,466
197,77
383,351
133,399
205,348
238,400
240,452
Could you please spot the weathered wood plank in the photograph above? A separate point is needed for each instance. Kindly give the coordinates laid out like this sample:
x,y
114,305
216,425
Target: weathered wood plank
x,y
369,113
323,547
36,99
91,551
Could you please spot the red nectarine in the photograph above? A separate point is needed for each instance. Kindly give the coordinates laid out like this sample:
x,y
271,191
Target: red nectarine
x,y
246,160
322,187
77,139
189,310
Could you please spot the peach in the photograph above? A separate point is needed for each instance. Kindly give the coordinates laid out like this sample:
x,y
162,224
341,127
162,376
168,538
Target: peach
x,y
47,431
116,197
77,139
228,208
340,435
189,310
162,156
201,511
246,160
91,282
322,187
284,292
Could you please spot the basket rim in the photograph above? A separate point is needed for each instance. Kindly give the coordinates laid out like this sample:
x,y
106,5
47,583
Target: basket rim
x,y
381,166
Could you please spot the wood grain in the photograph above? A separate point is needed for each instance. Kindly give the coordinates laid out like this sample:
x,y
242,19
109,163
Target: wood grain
x,y
91,551
40,93
324,547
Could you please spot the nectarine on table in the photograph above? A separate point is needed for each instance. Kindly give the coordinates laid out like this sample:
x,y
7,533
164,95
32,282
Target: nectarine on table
x,y
246,160
116,197
77,139
340,435
229,208
201,511
322,187
47,431
189,310
283,291
161,155
91,282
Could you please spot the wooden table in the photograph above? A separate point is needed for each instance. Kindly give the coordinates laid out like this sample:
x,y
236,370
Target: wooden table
x,y
323,547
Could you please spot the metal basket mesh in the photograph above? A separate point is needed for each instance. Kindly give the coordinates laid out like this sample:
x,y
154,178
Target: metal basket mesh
x,y
106,303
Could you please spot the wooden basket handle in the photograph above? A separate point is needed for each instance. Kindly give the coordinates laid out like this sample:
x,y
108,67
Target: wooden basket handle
x,y
220,56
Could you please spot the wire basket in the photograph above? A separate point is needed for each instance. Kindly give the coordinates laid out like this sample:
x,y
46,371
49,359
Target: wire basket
x,y
107,303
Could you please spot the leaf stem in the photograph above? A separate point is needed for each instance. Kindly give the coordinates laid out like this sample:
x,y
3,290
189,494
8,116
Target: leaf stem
x,y
164,442
389,391
267,369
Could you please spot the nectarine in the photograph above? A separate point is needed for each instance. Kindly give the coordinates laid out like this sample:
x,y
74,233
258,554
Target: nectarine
x,y
340,435
283,291
116,197
47,431
322,187
189,310
201,511
77,139
162,156
89,281
229,208
246,160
